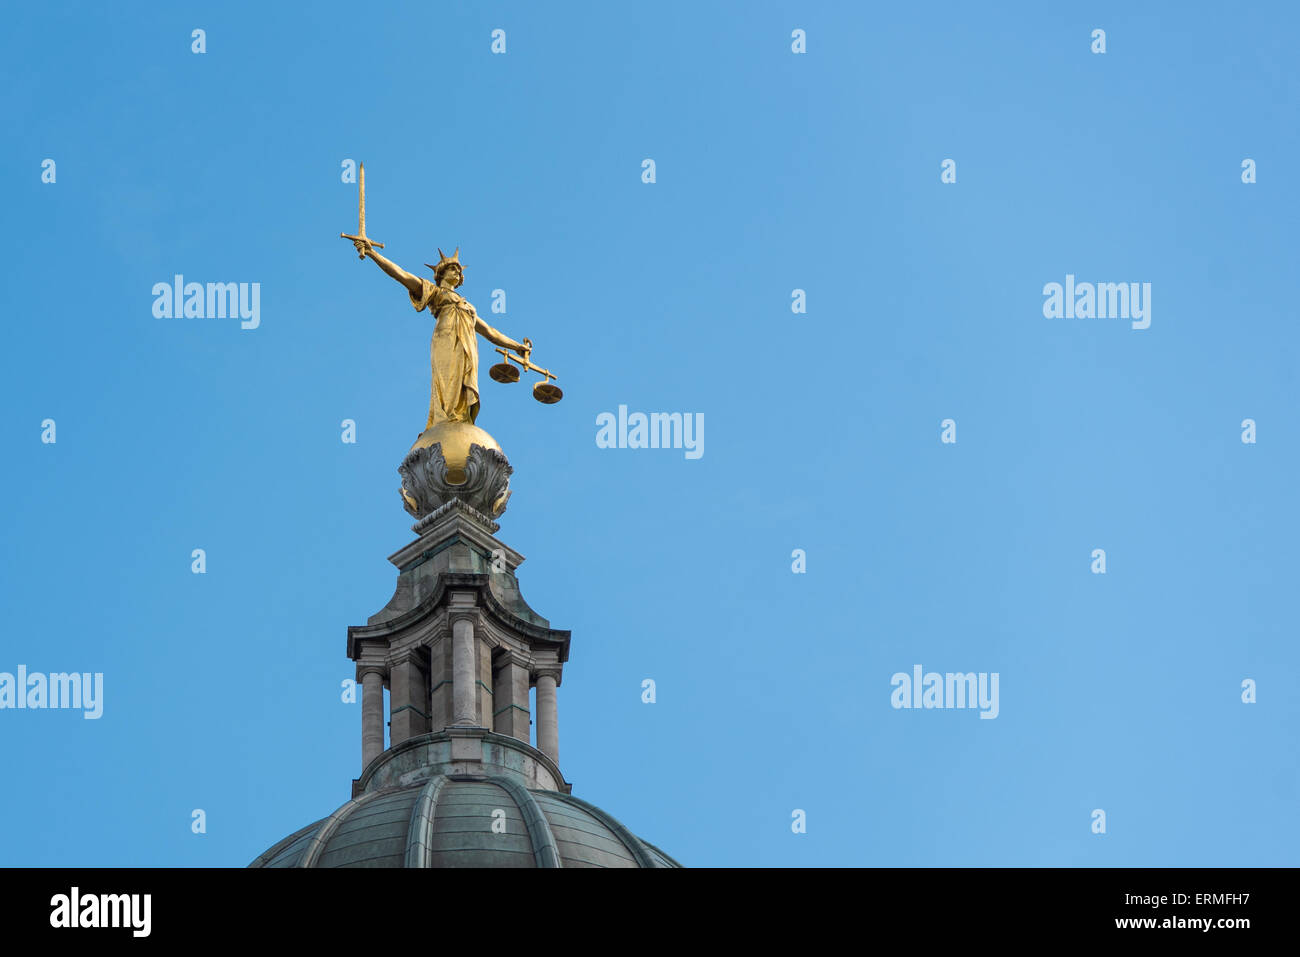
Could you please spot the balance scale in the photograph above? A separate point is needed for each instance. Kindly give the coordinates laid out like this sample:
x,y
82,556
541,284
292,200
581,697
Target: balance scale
x,y
543,391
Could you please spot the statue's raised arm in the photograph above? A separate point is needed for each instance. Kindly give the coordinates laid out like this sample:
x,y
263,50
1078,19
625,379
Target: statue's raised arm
x,y
412,283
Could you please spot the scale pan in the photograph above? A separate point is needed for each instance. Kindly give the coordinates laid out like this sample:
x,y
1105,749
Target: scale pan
x,y
504,372
547,393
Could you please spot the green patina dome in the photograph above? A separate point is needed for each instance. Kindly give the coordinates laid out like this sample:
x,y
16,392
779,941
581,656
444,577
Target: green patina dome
x,y
463,800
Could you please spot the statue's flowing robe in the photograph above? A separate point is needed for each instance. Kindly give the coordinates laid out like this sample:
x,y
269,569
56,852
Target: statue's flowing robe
x,y
453,353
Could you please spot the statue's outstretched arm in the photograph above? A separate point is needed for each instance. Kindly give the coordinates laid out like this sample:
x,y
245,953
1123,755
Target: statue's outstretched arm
x,y
397,272
497,338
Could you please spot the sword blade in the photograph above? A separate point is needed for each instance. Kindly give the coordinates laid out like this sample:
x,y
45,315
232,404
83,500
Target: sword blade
x,y
361,203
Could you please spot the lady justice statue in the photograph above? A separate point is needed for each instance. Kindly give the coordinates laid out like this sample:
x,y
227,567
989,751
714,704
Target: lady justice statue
x,y
453,457
453,352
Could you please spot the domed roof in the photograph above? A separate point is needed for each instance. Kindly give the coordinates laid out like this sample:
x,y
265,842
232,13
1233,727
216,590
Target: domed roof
x,y
465,822
442,818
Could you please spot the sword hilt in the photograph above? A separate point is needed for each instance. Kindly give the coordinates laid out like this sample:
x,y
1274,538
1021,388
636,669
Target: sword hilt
x,y
365,239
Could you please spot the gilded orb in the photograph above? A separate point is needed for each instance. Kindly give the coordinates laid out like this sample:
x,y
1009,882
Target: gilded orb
x,y
455,459
456,438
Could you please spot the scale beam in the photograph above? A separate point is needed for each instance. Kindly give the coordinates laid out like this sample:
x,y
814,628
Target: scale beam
x,y
543,391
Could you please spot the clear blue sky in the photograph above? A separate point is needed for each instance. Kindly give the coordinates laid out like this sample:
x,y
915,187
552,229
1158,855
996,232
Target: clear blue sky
x,y
775,171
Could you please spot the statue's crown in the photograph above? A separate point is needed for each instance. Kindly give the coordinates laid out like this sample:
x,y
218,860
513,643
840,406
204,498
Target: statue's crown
x,y
445,261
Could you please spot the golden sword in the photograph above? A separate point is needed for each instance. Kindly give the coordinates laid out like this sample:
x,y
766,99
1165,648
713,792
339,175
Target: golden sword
x,y
361,216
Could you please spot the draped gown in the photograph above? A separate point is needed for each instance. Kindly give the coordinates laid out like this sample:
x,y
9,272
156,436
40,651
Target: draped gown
x,y
453,354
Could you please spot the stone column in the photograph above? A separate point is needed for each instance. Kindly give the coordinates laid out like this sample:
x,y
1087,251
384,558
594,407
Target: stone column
x,y
548,728
372,714
420,694
400,716
510,683
464,674
409,697
440,683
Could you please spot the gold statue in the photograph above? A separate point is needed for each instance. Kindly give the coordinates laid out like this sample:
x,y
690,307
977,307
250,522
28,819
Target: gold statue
x,y
453,352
